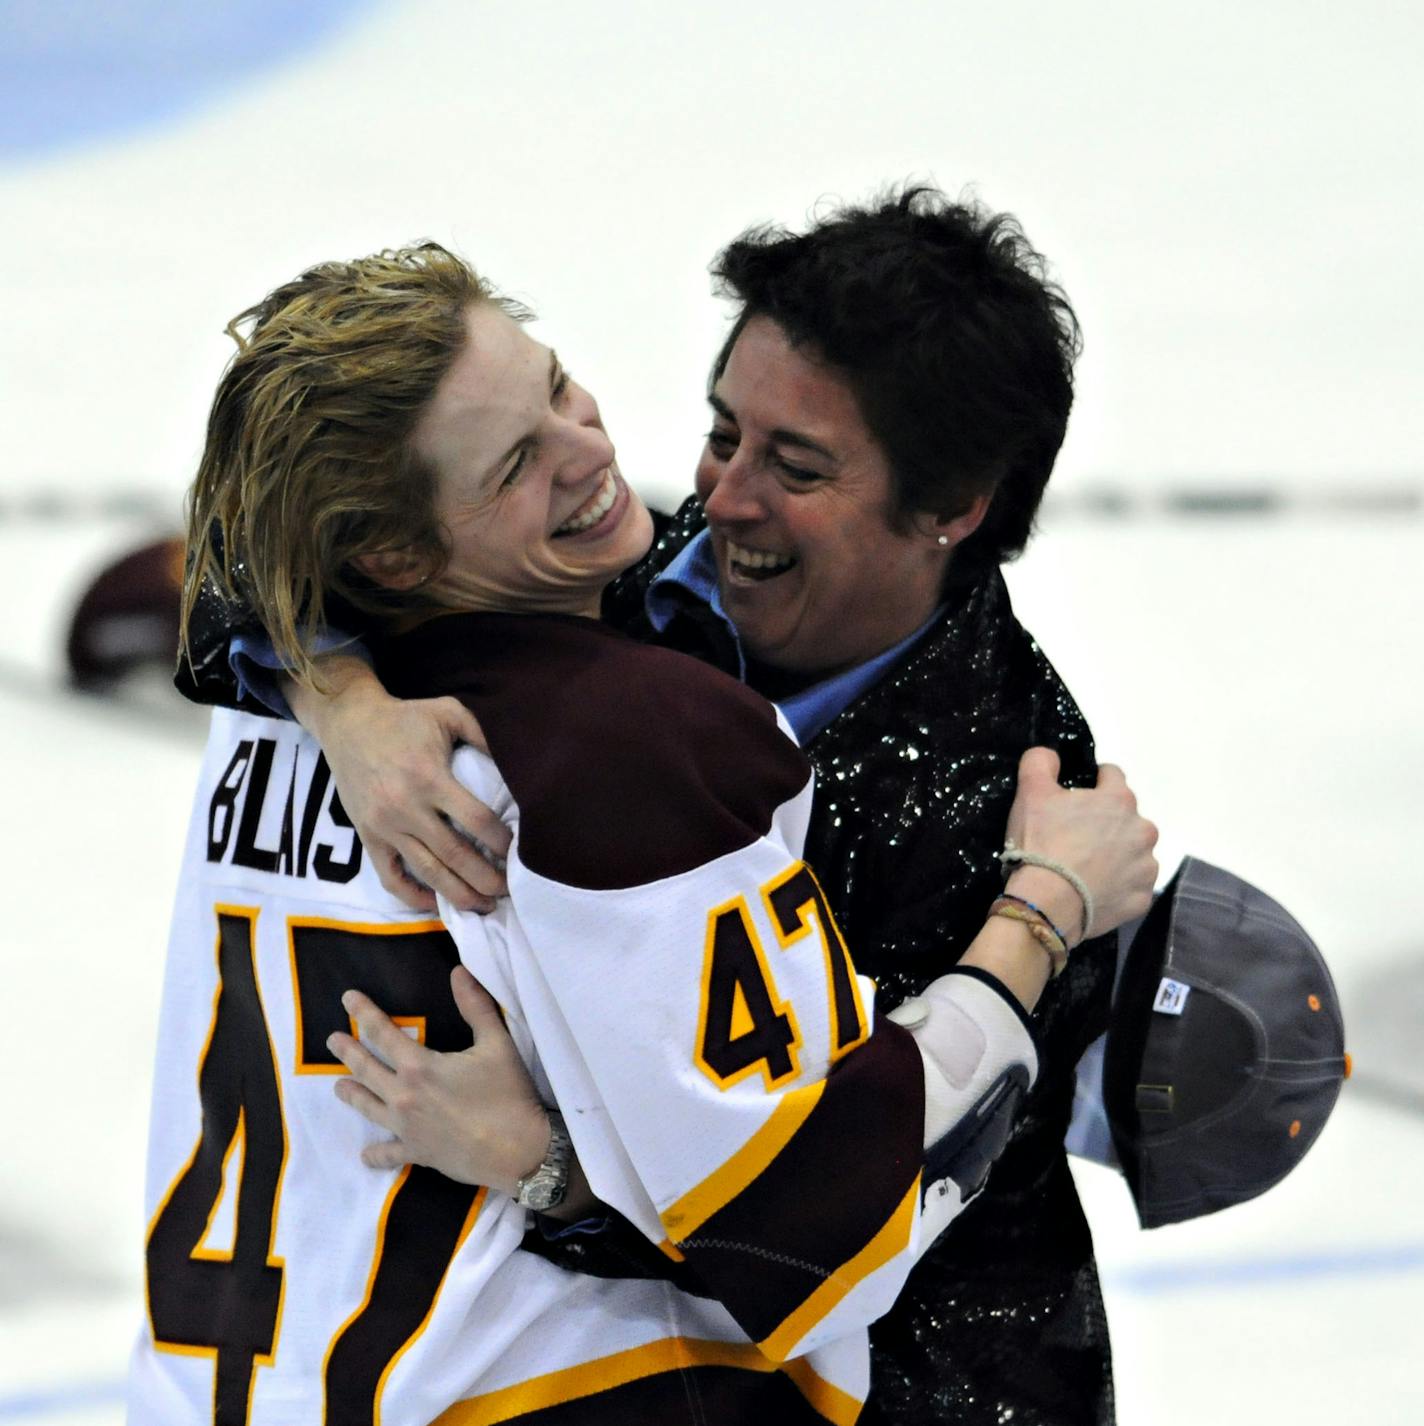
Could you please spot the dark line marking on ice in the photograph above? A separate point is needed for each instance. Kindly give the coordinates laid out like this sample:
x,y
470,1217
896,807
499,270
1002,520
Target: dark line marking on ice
x,y
1208,500
41,504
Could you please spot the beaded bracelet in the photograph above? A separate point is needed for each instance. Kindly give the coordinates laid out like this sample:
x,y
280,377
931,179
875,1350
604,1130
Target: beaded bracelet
x,y
1053,947
1037,910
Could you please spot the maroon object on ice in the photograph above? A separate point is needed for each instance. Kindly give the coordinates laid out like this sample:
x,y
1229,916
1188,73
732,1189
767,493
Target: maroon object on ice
x,y
128,617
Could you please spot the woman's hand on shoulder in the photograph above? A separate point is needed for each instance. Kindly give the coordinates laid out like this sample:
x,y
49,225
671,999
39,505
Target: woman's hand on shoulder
x,y
1096,832
390,759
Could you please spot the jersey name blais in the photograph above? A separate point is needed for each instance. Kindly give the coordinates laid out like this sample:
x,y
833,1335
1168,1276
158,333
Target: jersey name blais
x,y
270,813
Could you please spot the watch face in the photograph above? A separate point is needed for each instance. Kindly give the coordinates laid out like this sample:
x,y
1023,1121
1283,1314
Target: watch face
x,y
542,1192
545,1187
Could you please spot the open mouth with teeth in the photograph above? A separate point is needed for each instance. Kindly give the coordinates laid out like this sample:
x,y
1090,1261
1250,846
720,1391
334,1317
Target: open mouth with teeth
x,y
593,510
759,565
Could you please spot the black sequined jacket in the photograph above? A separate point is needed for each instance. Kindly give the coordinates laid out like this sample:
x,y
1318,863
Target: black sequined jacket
x,y
1002,1321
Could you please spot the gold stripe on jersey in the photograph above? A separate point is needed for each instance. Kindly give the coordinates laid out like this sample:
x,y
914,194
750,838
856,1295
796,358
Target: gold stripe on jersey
x,y
607,1373
837,1406
892,1239
695,1207
301,1065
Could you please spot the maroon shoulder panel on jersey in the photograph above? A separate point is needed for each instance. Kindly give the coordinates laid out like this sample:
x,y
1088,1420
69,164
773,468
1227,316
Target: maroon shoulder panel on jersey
x,y
629,763
823,1198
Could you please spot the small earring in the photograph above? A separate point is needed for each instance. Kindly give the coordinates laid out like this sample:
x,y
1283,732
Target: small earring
x,y
944,539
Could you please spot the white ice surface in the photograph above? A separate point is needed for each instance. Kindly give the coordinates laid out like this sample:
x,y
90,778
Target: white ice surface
x,y
1228,192
1249,739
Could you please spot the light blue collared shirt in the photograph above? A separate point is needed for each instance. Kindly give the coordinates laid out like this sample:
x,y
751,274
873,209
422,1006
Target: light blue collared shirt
x,y
256,665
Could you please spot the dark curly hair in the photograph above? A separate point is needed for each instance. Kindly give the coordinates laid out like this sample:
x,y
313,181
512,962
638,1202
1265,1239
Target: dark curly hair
x,y
942,320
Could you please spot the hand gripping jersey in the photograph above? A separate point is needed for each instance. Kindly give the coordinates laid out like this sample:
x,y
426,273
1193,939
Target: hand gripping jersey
x,y
670,972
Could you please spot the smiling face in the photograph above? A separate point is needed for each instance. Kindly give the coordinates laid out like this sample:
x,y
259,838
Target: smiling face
x,y
799,500
538,518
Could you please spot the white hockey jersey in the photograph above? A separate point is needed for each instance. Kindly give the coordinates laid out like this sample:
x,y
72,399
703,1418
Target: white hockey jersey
x,y
672,974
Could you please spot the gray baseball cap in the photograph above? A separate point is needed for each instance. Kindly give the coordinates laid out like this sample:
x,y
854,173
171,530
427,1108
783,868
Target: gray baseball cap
x,y
1227,1047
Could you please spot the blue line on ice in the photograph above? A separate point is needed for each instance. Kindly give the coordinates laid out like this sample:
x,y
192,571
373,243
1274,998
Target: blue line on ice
x,y
74,72
1158,1279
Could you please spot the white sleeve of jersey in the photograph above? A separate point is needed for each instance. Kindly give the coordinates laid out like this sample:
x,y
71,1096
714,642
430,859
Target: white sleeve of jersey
x,y
716,1057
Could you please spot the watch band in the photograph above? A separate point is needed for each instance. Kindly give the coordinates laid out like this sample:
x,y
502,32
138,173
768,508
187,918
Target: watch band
x,y
545,1187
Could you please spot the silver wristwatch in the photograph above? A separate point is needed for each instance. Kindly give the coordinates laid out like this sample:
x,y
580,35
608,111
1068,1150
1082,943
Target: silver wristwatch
x,y
545,1187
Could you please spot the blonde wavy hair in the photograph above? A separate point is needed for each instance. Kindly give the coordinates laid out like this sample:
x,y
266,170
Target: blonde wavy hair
x,y
308,463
